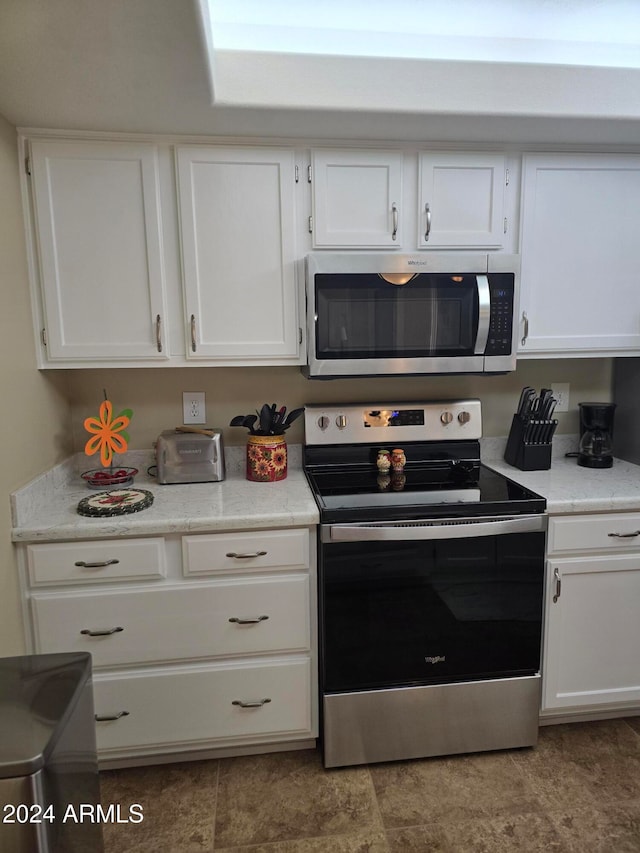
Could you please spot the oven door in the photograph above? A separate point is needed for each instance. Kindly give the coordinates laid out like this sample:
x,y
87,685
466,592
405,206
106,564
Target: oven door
x,y
430,602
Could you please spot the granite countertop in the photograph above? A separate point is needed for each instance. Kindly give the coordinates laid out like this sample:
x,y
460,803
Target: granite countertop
x,y
45,509
567,486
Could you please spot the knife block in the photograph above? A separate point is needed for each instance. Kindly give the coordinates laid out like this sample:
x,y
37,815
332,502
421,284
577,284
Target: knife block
x,y
522,452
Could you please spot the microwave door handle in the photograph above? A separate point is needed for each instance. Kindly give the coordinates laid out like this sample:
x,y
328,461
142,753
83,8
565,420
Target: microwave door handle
x,y
484,313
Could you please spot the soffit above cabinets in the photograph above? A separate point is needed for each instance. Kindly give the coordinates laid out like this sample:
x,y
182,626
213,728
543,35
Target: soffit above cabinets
x,y
143,67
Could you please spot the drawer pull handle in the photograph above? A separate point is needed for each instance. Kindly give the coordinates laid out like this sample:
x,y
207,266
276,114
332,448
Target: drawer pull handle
x,y
256,703
246,556
625,535
99,565
556,575
105,633
249,621
105,718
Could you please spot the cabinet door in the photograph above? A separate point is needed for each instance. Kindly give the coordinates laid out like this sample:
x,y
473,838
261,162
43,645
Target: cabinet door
x,y
580,254
357,198
98,231
592,632
461,201
237,220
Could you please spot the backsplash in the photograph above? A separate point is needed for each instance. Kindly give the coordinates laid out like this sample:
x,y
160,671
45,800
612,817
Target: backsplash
x,y
155,395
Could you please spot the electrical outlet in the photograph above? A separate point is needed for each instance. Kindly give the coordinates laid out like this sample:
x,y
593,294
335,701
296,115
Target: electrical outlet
x,y
560,391
193,407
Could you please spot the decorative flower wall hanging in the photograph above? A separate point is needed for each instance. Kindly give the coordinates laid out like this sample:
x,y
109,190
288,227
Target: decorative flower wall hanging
x,y
108,433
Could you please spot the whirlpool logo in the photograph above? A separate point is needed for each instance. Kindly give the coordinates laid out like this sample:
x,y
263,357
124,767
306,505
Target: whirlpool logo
x,y
435,659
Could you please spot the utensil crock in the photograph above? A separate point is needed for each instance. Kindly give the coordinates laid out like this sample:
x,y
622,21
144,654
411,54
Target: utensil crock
x,y
266,458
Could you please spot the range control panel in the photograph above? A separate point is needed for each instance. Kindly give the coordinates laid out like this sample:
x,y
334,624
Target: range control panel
x,y
442,420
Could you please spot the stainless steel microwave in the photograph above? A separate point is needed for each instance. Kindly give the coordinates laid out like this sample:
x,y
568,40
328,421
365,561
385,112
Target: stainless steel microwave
x,y
397,315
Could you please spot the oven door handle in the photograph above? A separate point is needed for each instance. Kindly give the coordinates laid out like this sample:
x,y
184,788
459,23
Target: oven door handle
x,y
453,529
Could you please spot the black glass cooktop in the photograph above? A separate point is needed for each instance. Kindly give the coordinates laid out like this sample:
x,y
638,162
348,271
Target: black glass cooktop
x,y
461,490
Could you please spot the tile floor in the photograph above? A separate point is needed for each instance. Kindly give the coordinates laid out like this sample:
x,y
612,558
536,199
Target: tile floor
x,y
578,791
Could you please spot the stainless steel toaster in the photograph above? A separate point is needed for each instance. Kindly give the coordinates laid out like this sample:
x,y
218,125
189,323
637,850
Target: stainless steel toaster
x,y
190,457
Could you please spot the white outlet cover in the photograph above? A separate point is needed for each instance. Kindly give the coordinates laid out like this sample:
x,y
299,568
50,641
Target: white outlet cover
x,y
193,407
560,391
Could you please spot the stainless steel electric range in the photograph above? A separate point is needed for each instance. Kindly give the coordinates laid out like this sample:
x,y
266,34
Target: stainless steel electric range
x,y
431,573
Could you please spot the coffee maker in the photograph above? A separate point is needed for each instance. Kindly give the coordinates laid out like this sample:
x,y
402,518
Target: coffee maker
x,y
596,435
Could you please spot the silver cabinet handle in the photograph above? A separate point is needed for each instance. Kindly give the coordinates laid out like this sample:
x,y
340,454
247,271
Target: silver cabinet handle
x,y
99,565
556,576
254,703
525,331
250,621
193,333
427,231
158,335
246,556
394,212
103,718
625,535
106,632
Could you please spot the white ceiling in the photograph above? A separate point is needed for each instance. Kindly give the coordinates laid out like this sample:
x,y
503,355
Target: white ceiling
x,y
142,66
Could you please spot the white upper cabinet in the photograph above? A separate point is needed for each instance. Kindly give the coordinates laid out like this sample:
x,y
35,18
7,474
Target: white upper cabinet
x,y
356,199
237,224
580,273
98,235
461,200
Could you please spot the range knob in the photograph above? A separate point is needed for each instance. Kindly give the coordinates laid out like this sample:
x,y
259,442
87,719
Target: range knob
x,y
323,422
341,421
446,418
464,417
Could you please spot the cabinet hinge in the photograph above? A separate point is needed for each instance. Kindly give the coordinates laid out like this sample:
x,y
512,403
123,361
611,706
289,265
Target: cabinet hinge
x,y
506,178
43,336
27,165
308,174
505,225
297,174
311,225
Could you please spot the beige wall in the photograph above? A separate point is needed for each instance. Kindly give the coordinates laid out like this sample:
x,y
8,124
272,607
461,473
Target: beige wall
x,y
155,395
35,409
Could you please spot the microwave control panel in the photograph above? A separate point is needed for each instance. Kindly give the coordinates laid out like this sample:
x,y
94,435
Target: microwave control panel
x,y
501,289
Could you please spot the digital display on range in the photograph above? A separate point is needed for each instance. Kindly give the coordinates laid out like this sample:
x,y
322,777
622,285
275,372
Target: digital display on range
x,y
393,417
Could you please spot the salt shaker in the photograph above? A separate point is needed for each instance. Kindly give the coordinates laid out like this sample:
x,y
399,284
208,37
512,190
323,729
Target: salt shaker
x,y
383,461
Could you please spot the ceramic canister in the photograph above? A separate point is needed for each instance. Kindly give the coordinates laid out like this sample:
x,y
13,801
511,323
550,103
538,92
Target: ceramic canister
x,y
266,458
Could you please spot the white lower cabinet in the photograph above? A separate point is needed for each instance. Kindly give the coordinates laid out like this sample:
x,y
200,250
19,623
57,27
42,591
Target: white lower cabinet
x,y
243,703
592,629
208,651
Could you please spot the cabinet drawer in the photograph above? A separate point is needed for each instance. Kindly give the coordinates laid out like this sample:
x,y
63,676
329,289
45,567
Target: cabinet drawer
x,y
610,531
74,562
177,623
242,552
193,706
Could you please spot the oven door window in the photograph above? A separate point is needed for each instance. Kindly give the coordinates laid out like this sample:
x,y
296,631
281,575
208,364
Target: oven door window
x,y
364,316
421,612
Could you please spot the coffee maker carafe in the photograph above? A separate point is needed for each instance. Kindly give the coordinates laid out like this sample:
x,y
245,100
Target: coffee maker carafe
x,y
596,433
